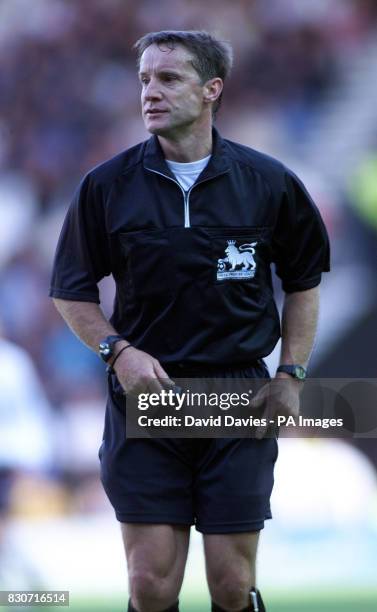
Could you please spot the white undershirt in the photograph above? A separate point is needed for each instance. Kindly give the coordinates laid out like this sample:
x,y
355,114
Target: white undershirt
x,y
187,173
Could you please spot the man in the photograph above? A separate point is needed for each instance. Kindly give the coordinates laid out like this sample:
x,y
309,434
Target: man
x,y
188,224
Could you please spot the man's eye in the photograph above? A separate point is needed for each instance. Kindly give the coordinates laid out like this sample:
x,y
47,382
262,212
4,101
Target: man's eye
x,y
144,81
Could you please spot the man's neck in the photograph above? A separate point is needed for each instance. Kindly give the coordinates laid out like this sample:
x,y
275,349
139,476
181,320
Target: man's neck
x,y
187,148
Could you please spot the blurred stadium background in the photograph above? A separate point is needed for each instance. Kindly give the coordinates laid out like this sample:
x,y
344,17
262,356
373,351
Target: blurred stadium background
x,y
304,89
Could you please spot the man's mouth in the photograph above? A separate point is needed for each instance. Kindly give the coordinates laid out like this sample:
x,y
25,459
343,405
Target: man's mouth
x,y
155,111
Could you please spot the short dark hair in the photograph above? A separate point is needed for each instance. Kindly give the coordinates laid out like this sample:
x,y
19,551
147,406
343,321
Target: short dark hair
x,y
211,57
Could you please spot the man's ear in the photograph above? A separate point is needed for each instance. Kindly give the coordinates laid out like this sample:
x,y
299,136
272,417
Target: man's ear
x,y
213,89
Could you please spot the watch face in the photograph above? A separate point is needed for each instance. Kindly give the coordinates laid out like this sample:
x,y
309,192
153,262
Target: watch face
x,y
300,372
105,350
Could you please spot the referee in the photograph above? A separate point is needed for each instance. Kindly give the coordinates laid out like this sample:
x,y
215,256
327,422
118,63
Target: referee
x,y
188,224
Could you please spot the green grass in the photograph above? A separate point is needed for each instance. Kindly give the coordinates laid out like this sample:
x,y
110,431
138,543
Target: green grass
x,y
297,606
301,602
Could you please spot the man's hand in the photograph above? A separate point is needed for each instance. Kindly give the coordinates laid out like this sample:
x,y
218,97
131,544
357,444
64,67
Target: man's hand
x,y
139,372
281,396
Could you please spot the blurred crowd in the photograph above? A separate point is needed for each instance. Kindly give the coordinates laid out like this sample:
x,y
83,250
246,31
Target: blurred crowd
x,y
69,98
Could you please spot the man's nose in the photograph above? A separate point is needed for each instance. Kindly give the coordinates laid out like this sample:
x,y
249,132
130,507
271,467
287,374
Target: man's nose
x,y
152,91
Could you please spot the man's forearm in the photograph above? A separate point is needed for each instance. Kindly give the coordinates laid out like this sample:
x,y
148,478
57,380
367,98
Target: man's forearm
x,y
136,370
86,320
299,324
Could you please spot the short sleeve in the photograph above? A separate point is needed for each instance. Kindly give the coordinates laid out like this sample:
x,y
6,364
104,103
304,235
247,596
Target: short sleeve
x,y
82,256
301,249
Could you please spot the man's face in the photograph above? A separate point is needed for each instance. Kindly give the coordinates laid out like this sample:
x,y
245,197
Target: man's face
x,y
172,93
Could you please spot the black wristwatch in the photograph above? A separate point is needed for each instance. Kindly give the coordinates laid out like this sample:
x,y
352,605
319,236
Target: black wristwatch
x,y
296,371
106,347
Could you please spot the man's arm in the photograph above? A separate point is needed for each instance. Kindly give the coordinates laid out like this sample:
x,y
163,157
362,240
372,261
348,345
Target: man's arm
x,y
87,321
299,324
136,371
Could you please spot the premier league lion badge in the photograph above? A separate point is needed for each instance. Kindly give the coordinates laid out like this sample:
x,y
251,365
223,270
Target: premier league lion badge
x,y
239,261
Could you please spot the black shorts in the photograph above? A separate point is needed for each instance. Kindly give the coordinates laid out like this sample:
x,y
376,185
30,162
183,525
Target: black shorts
x,y
220,485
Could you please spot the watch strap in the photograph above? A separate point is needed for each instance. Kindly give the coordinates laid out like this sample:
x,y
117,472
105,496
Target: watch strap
x,y
294,370
112,339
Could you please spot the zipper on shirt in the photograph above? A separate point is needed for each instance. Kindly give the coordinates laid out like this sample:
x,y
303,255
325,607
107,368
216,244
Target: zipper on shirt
x,y
186,194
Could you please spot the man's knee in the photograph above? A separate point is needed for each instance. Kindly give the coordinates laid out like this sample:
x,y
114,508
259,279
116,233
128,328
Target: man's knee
x,y
231,590
152,592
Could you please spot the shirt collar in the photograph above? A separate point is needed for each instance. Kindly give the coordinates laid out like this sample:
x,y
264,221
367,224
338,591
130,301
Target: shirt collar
x,y
218,164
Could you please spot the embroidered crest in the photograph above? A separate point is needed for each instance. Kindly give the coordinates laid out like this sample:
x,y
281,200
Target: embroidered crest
x,y
238,263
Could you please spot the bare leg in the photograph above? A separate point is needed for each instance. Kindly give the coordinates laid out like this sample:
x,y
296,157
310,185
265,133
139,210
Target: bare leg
x,y
156,559
230,565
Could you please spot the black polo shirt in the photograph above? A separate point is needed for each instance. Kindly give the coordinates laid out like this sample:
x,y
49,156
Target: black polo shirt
x,y
192,269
